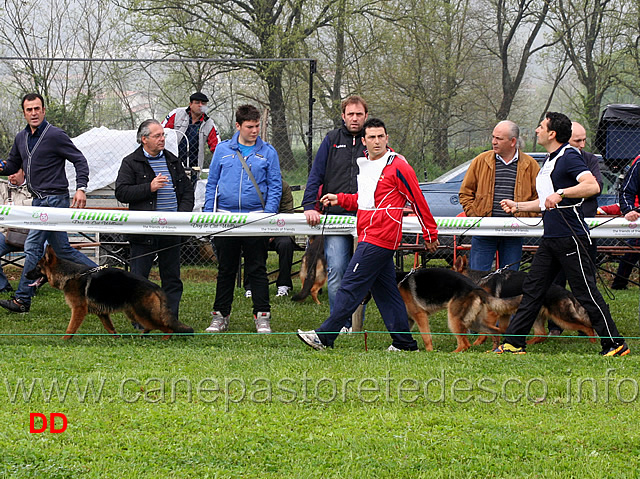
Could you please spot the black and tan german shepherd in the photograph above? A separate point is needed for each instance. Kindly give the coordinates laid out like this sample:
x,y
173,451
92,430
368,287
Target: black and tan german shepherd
x,y
428,290
560,305
105,291
313,270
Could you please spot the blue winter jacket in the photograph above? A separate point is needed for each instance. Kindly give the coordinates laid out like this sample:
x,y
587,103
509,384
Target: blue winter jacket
x,y
230,189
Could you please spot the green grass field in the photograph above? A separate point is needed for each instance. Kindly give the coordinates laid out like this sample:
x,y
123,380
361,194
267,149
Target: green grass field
x,y
243,405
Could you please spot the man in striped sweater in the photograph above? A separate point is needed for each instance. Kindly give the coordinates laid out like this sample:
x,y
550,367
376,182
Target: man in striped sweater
x,y
153,179
502,172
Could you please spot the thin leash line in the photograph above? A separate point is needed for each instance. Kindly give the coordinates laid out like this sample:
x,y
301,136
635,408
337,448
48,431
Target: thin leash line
x,y
596,270
210,235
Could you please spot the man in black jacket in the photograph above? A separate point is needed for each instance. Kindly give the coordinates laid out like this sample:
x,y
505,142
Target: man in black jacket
x,y
153,179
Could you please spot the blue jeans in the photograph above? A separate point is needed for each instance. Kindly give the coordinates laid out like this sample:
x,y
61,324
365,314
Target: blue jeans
x,y
337,250
483,251
371,269
4,249
34,247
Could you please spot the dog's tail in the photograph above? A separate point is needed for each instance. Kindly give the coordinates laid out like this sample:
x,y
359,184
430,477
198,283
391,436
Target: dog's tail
x,y
314,253
503,305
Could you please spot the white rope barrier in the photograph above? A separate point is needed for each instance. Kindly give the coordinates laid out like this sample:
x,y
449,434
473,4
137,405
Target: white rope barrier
x,y
264,224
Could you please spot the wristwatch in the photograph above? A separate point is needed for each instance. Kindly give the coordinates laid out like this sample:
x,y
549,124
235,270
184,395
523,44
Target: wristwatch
x,y
560,192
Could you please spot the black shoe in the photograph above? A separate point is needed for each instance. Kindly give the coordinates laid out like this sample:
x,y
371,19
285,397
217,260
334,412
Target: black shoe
x,y
15,305
137,326
7,289
619,286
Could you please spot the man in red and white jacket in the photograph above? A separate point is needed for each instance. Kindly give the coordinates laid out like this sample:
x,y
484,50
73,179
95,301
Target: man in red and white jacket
x,y
386,182
198,131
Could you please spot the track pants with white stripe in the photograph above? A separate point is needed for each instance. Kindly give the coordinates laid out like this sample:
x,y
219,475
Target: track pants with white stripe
x,y
569,255
371,269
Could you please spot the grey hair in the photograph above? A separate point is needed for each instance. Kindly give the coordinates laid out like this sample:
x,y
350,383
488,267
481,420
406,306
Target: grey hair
x,y
145,130
514,132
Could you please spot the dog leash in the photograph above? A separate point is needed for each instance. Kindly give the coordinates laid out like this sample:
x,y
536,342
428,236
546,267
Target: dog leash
x,y
92,270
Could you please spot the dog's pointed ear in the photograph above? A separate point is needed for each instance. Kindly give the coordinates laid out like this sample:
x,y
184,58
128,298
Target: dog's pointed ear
x,y
457,265
49,254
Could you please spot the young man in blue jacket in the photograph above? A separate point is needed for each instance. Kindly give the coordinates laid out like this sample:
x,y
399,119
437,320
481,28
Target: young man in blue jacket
x,y
42,150
231,189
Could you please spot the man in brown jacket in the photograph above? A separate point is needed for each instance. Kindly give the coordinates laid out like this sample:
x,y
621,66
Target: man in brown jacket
x,y
503,172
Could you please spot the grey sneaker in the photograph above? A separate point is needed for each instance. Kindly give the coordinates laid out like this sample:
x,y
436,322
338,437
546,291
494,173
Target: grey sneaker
x,y
310,338
219,323
263,322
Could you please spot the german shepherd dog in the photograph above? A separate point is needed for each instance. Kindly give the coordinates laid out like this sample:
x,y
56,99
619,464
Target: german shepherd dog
x,y
559,304
106,291
428,290
313,270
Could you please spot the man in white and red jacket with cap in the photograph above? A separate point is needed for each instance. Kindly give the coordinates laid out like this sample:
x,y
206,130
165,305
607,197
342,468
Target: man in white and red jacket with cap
x,y
386,182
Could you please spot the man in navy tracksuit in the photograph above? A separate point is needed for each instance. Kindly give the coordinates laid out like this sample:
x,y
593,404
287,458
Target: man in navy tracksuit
x,y
231,189
562,183
41,150
386,182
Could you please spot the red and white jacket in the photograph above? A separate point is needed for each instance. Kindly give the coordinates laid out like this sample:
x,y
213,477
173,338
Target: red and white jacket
x,y
384,188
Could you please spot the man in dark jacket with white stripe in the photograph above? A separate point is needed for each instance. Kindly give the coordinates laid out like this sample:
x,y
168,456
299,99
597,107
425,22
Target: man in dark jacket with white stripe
x,y
41,150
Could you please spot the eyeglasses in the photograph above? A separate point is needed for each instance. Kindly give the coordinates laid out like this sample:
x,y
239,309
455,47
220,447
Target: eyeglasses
x,y
157,136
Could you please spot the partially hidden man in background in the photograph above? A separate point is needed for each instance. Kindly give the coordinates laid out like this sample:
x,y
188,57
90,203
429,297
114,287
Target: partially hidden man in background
x,y
14,191
41,151
335,170
198,131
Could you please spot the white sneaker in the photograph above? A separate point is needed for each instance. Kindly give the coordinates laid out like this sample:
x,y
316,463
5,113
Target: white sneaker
x,y
263,322
346,330
247,293
310,338
283,291
219,323
392,348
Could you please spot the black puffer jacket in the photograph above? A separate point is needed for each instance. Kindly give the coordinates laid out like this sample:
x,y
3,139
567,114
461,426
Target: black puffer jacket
x,y
133,185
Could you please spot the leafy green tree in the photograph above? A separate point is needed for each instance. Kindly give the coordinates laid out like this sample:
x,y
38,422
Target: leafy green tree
x,y
256,29
590,34
513,37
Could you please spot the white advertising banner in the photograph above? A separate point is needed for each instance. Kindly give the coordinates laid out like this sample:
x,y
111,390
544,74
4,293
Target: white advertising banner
x,y
264,224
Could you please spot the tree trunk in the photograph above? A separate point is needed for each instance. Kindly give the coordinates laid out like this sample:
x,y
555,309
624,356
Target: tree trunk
x,y
279,132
